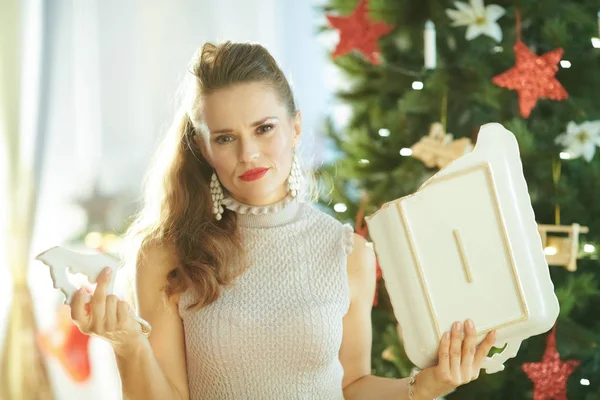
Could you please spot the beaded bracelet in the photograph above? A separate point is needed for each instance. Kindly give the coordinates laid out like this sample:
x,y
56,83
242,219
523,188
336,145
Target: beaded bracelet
x,y
411,382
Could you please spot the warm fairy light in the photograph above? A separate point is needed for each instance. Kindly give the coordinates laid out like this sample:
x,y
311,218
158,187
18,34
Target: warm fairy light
x,y
589,248
550,251
417,85
340,207
384,132
405,152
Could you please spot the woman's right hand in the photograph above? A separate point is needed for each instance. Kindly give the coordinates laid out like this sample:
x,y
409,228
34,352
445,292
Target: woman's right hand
x,y
106,316
459,361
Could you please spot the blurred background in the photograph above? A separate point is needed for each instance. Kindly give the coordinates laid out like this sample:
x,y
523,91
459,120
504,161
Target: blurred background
x,y
390,91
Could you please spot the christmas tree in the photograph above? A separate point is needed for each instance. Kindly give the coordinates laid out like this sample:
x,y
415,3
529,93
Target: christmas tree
x,y
418,70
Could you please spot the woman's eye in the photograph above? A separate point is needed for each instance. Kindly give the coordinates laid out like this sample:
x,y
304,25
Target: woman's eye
x,y
221,139
266,128
261,129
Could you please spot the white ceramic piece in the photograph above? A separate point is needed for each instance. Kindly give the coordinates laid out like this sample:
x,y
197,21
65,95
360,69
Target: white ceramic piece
x,y
61,261
466,245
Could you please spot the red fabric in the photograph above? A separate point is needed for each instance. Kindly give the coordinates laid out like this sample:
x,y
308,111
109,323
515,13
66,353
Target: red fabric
x,y
68,345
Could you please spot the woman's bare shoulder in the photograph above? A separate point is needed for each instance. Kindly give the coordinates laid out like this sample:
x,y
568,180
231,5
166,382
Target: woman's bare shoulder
x,y
158,256
361,264
154,263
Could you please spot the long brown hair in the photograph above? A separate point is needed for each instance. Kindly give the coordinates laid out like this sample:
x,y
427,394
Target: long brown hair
x,y
177,208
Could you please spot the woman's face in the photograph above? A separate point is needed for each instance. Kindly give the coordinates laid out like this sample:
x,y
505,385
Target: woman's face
x,y
249,127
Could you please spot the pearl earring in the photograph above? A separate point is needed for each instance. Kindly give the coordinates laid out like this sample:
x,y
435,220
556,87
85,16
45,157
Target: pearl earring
x,y
216,191
295,178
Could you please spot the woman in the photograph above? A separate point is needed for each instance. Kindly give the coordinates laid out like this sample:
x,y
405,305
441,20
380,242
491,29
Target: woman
x,y
252,292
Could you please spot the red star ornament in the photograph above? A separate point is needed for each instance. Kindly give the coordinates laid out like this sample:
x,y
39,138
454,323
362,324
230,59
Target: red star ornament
x,y
358,32
533,77
550,375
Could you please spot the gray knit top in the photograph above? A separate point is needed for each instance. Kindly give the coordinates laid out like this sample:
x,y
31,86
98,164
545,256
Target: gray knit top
x,y
276,331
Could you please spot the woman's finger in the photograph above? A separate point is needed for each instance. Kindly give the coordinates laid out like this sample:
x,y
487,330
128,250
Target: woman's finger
x,y
469,347
122,314
455,350
444,356
484,349
99,296
78,313
110,315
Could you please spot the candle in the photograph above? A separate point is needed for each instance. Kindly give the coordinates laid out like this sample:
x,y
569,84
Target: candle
x,y
430,48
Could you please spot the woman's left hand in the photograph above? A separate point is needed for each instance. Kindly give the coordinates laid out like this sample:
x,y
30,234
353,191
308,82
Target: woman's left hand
x,y
460,361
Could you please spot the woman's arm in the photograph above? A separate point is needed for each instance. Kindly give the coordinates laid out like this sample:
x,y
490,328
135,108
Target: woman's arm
x,y
355,353
459,359
151,368
155,367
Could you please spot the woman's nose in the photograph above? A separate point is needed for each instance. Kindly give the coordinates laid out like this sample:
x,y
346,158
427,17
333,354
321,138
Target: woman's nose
x,y
249,151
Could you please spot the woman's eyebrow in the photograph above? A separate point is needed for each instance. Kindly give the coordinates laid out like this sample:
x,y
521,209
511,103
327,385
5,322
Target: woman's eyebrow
x,y
257,123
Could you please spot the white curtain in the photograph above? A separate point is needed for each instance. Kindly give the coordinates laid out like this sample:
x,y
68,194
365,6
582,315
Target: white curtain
x,y
23,373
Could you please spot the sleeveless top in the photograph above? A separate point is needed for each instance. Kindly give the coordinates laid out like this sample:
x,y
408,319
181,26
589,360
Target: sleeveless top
x,y
275,332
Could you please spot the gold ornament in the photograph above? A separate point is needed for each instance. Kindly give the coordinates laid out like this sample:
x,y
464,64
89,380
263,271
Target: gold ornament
x,y
562,250
438,148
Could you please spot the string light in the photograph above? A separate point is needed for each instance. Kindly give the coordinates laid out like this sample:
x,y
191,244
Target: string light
x,y
584,382
565,156
384,132
589,248
550,251
417,85
405,152
340,207
498,49
565,63
363,161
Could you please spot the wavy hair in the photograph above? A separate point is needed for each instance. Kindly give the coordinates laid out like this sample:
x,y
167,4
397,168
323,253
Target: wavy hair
x,y
176,211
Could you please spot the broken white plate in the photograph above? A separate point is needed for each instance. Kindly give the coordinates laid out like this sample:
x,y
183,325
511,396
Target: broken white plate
x,y
466,245
61,261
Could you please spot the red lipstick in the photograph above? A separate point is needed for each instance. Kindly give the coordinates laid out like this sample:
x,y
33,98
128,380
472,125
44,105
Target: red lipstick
x,y
253,174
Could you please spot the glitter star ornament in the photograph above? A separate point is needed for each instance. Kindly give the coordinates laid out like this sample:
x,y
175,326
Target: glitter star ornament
x,y
550,375
358,32
533,77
